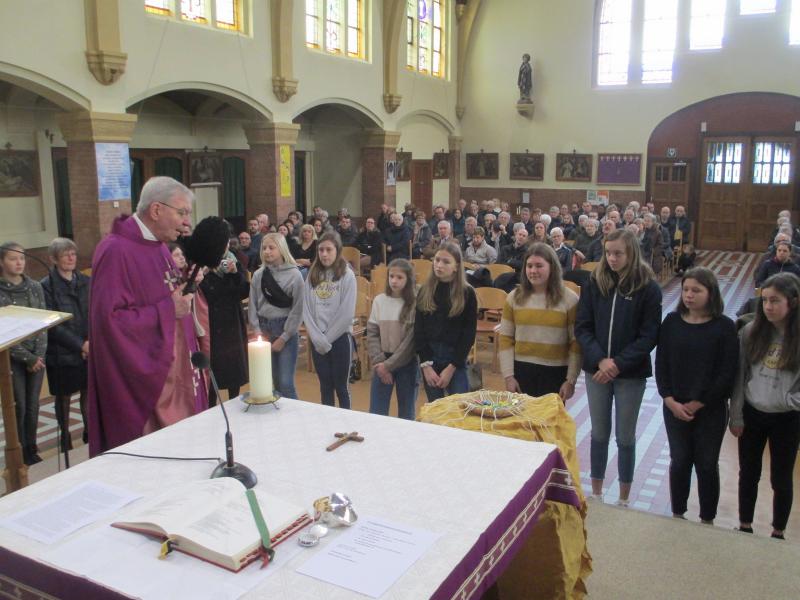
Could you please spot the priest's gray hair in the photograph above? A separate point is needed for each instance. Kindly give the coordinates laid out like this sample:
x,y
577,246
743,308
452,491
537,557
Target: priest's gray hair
x,y
160,189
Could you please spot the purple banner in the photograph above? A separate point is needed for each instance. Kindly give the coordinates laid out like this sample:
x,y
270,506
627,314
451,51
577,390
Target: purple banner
x,y
619,169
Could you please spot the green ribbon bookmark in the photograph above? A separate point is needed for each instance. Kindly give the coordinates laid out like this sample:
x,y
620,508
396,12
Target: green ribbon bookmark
x,y
263,530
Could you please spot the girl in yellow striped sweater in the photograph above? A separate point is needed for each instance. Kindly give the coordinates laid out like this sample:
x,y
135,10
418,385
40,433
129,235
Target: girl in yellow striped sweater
x,y
538,351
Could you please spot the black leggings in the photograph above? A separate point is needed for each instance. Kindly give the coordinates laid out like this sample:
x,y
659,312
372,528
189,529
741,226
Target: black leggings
x,y
333,370
782,431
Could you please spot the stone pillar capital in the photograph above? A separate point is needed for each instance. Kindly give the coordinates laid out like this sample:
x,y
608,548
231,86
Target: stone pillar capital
x,y
454,143
264,132
381,138
88,126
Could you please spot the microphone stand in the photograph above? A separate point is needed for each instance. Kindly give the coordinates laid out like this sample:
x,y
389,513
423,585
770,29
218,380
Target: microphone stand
x,y
62,435
226,468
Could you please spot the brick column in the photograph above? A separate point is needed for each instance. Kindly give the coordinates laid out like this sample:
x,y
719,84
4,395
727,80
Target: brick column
x,y
379,146
264,193
82,130
454,168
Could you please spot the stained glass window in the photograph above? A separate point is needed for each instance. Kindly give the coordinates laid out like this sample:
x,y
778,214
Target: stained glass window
x,y
658,40
724,162
708,24
229,14
158,7
194,10
756,7
771,163
425,36
340,21
794,23
614,40
223,14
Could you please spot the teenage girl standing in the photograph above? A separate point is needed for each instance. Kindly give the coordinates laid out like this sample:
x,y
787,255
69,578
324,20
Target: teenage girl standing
x,y
328,309
445,323
765,405
695,367
390,343
276,308
619,314
538,350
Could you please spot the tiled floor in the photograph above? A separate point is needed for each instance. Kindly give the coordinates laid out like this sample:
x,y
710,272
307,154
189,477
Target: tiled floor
x,y
650,490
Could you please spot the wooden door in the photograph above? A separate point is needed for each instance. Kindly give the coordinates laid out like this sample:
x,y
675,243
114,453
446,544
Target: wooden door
x,y
669,185
771,183
723,193
422,185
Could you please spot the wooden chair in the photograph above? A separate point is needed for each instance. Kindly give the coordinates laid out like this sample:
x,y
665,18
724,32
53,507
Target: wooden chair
x,y
590,266
758,292
422,269
380,273
573,286
87,271
352,256
470,266
360,318
363,286
491,301
498,269
302,334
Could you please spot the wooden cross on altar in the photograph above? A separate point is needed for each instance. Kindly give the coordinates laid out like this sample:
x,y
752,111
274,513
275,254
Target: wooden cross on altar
x,y
343,439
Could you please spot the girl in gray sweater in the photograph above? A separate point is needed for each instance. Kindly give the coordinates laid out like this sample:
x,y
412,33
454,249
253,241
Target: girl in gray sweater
x,y
276,308
765,405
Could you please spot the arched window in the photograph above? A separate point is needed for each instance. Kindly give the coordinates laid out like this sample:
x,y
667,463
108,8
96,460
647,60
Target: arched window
x,y
336,26
425,36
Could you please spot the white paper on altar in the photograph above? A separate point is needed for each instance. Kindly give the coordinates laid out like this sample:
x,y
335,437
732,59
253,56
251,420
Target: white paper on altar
x,y
86,503
12,328
129,562
370,556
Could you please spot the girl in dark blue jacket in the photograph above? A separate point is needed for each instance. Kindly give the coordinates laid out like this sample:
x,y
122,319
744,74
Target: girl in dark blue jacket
x,y
619,314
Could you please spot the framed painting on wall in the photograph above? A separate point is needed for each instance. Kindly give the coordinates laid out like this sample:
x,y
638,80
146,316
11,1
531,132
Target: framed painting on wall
x,y
573,167
526,166
483,165
205,169
403,172
440,166
19,173
619,169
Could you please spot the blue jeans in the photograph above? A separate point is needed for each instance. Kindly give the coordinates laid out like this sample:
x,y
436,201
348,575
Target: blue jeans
x,y
628,395
333,370
285,361
406,378
443,355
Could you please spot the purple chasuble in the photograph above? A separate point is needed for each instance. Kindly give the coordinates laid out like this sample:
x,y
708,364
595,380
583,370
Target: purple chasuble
x,y
132,335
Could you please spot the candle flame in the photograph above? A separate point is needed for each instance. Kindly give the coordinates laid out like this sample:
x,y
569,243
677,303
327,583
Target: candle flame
x,y
259,339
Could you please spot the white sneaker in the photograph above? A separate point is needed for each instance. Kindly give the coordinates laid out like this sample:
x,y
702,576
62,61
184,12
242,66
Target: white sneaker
x,y
623,503
597,498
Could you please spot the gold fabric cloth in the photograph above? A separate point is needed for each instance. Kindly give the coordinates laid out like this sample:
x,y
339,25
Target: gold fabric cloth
x,y
554,563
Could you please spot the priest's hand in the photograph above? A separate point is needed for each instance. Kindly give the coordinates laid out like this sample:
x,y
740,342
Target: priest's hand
x,y
278,344
183,304
85,350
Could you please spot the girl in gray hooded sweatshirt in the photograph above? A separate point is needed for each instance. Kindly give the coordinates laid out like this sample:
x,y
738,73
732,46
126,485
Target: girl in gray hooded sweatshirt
x,y
276,308
765,404
27,358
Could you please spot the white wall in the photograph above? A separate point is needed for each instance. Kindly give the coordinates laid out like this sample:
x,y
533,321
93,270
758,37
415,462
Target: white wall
x,y
570,113
422,136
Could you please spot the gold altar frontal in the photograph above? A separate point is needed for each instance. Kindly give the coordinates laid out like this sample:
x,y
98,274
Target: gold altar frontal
x,y
554,562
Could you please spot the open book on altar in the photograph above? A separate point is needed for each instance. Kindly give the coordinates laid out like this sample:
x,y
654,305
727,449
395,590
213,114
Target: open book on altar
x,y
212,520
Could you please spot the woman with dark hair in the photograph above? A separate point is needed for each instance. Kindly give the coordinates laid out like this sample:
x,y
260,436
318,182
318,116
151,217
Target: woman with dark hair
x,y
67,290
695,367
538,350
457,219
765,405
619,314
781,262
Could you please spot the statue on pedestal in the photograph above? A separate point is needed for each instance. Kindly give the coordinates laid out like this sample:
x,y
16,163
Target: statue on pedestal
x,y
525,80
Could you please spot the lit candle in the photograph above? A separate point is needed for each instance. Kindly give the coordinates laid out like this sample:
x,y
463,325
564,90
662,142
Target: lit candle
x,y
259,355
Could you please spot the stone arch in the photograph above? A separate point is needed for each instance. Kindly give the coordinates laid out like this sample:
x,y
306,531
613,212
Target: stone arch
x,y
59,94
428,114
365,116
247,105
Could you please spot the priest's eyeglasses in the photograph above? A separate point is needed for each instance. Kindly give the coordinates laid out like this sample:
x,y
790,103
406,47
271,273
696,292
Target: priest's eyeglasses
x,y
182,212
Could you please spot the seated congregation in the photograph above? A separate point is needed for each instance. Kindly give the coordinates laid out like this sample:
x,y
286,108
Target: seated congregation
x,y
559,292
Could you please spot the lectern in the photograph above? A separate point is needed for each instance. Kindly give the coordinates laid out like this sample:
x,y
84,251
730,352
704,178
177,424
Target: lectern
x,y
17,324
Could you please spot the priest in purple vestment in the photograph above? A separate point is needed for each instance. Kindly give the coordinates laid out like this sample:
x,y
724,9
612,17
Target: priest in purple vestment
x,y
141,327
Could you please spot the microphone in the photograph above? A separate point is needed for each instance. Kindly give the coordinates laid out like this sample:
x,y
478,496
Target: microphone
x,y
226,468
205,247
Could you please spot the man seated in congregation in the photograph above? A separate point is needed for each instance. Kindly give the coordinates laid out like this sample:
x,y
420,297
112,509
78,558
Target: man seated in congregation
x,y
567,225
421,235
252,254
555,218
384,221
478,251
565,253
409,215
525,218
370,244
511,255
628,217
596,248
444,234
785,218
397,238
141,324
346,230
580,227
682,224
782,262
464,240
438,215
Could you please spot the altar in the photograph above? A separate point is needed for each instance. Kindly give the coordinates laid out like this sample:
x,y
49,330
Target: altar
x,y
481,494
